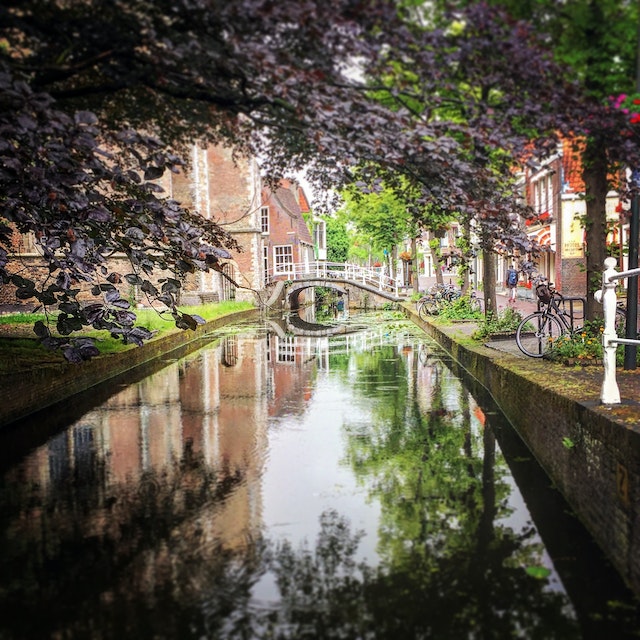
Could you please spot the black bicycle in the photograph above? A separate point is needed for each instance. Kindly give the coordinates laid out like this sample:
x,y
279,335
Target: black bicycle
x,y
438,295
538,332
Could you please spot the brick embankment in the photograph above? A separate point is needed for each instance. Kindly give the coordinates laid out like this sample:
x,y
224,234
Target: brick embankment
x,y
38,388
590,451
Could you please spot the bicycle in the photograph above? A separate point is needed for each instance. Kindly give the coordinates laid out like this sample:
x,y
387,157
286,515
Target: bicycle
x,y
475,303
437,295
537,333
426,306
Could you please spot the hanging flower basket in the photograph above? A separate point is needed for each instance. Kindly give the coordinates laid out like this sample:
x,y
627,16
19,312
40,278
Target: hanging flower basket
x,y
405,256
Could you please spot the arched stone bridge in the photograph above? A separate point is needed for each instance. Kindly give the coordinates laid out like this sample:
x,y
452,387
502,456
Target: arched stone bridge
x,y
360,285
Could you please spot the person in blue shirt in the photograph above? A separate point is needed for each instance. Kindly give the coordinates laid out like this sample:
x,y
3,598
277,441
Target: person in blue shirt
x,y
511,282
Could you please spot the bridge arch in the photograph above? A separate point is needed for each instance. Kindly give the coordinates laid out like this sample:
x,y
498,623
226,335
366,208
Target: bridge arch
x,y
365,287
294,290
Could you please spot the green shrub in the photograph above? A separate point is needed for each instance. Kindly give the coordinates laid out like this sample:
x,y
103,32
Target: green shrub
x,y
493,323
459,309
583,346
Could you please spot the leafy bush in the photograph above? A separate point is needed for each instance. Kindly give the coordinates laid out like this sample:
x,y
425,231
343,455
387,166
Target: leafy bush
x,y
583,346
459,309
504,322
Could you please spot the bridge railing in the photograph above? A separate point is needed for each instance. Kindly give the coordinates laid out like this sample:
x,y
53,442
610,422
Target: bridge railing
x,y
327,270
610,393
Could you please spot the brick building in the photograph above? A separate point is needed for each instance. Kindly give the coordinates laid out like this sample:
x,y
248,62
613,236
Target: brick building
x,y
287,241
268,225
556,192
227,190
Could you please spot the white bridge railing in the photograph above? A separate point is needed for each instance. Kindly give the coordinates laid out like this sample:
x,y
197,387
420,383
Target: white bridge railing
x,y
328,270
610,393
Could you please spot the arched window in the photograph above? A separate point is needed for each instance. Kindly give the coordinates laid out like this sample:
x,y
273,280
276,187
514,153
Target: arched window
x,y
228,288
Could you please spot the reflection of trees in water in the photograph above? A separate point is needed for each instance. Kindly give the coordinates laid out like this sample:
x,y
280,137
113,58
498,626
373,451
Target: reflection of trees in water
x,y
107,548
436,478
327,594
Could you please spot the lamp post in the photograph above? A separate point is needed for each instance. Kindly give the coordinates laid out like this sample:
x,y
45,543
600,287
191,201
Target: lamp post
x,y
630,351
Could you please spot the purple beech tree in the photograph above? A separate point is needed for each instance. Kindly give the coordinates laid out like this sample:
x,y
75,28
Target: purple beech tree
x,y
99,97
595,45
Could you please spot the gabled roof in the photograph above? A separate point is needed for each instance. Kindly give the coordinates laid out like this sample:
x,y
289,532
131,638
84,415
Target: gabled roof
x,y
572,167
305,207
286,198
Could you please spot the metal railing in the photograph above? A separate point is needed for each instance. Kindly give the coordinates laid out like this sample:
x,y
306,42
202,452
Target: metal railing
x,y
610,393
335,270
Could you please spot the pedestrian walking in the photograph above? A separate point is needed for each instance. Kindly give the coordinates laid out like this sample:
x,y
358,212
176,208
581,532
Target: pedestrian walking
x,y
511,282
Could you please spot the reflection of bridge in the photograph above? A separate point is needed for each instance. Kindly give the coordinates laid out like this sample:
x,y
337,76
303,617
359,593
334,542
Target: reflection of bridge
x,y
291,324
291,279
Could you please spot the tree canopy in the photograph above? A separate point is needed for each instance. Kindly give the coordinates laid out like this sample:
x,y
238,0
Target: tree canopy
x,y
99,97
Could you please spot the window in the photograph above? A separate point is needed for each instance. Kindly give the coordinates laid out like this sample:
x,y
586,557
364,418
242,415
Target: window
x,y
286,349
228,288
283,258
543,195
265,264
264,219
229,355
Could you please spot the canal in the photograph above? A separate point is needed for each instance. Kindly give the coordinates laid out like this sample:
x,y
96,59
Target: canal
x,y
278,486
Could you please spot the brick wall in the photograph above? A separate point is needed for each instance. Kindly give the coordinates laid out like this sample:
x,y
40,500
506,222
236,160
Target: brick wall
x,y
215,185
573,277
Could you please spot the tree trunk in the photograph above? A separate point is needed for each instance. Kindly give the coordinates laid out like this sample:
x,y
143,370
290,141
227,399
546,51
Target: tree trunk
x,y
489,281
415,269
594,174
435,259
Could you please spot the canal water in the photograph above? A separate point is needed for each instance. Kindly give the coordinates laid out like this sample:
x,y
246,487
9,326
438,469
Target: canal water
x,y
279,486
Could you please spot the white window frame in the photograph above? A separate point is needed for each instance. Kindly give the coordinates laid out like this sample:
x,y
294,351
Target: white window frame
x,y
264,220
283,257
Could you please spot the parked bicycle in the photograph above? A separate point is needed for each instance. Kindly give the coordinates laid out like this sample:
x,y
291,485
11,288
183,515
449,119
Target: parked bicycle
x,y
537,333
476,303
440,295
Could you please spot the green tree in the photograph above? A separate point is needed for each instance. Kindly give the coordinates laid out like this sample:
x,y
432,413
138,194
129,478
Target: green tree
x,y
381,217
337,239
483,88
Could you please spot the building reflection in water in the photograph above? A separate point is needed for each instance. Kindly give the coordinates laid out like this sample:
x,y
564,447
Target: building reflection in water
x,y
155,504
201,418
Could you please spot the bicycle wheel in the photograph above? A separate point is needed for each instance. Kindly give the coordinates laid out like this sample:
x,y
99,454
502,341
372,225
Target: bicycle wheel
x,y
475,304
537,333
428,307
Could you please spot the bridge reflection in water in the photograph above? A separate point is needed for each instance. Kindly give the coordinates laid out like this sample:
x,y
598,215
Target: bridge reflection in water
x,y
289,486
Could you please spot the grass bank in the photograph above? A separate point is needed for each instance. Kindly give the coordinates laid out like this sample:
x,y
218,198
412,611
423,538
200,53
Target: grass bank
x,y
47,380
20,350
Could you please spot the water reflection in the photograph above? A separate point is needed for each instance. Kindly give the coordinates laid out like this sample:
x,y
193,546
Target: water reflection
x,y
278,486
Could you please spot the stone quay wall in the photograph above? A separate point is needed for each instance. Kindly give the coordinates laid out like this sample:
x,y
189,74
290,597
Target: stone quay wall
x,y
41,387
